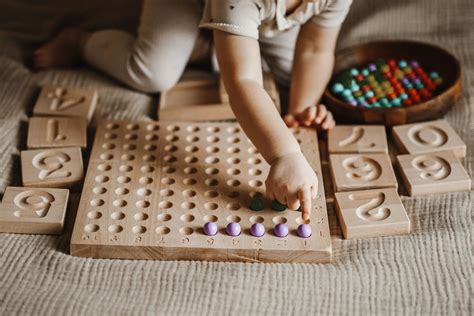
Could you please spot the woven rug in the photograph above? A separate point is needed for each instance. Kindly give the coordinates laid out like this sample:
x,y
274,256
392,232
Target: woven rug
x,y
426,272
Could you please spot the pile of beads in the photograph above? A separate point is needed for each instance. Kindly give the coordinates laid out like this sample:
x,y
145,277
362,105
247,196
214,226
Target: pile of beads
x,y
386,84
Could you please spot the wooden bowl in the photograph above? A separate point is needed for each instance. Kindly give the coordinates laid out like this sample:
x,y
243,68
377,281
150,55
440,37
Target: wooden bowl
x,y
432,58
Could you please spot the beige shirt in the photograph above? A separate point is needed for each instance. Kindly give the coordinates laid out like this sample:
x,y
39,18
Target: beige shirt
x,y
267,18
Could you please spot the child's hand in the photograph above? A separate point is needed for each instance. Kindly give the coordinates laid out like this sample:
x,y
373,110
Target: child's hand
x,y
293,182
313,116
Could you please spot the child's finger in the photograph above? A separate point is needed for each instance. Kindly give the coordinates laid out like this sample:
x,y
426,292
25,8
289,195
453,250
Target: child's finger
x,y
292,201
328,121
314,191
322,112
307,116
290,121
305,200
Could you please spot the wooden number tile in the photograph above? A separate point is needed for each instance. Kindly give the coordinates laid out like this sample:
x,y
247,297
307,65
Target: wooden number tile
x,y
430,173
51,132
33,210
58,167
357,139
361,171
428,137
371,213
62,101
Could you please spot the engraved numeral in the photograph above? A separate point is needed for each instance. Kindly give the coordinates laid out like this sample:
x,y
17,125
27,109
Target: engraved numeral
x,y
33,203
371,211
52,131
50,163
432,167
428,136
362,168
356,135
61,101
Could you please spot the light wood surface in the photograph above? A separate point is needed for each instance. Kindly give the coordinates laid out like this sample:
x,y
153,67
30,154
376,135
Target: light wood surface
x,y
371,213
196,100
357,139
56,168
430,173
65,101
33,210
428,137
361,171
54,132
150,188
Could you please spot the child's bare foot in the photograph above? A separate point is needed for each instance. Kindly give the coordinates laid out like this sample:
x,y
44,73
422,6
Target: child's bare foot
x,y
62,51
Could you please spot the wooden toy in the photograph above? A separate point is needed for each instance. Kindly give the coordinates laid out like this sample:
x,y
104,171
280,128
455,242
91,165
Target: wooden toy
x,y
175,191
371,213
429,57
53,132
268,84
428,137
361,171
33,210
196,100
430,173
357,139
57,168
62,101
201,100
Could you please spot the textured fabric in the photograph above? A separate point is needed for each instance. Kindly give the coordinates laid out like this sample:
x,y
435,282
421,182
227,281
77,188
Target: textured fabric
x,y
427,272
268,18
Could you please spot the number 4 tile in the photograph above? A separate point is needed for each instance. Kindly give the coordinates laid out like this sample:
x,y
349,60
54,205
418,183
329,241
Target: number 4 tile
x,y
62,101
57,167
33,210
371,213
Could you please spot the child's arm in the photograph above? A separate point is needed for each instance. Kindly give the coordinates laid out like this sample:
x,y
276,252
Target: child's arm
x,y
291,179
312,69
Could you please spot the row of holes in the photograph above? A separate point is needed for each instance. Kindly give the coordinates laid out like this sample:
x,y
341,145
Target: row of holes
x,y
172,128
174,148
166,217
146,192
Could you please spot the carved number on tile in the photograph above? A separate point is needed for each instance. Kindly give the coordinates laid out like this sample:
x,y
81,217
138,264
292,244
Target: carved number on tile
x,y
356,135
33,203
51,164
52,131
62,101
371,211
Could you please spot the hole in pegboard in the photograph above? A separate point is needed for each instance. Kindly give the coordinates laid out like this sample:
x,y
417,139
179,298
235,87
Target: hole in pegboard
x,y
117,215
210,218
233,218
115,229
165,205
94,215
121,191
162,230
165,217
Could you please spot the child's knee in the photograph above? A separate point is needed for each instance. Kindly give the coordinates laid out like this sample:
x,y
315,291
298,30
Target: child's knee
x,y
154,77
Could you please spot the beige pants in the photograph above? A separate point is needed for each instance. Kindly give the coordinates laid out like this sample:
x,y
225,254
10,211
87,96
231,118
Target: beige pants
x,y
155,59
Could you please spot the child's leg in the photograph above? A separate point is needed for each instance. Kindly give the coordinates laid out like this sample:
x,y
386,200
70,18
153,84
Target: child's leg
x,y
152,62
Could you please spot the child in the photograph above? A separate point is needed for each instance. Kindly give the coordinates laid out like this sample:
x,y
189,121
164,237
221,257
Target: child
x,y
296,38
